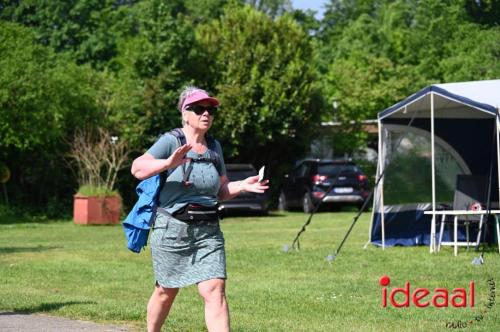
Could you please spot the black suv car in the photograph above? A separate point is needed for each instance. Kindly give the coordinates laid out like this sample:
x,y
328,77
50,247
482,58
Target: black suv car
x,y
249,202
308,182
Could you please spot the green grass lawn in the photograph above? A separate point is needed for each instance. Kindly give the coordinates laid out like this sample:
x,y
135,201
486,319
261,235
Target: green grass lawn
x,y
86,272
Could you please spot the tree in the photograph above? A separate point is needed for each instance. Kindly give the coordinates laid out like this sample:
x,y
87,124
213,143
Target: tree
x,y
434,24
43,98
474,55
485,12
264,78
307,20
363,77
164,56
203,11
273,8
340,13
374,53
39,96
86,29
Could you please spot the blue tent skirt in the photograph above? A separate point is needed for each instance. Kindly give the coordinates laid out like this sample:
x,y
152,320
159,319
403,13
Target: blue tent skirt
x,y
186,253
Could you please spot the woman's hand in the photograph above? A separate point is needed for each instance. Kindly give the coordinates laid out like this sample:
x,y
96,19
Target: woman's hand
x,y
178,157
230,190
147,165
252,184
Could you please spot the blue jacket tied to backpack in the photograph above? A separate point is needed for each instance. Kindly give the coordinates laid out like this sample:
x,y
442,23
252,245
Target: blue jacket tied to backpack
x,y
140,218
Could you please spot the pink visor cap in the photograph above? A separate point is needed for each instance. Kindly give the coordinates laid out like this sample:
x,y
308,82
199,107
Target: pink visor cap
x,y
197,97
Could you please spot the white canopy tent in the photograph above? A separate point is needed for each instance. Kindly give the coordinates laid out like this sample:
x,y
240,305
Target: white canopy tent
x,y
456,118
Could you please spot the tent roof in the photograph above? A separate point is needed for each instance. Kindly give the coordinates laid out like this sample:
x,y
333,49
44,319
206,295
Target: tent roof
x,y
459,97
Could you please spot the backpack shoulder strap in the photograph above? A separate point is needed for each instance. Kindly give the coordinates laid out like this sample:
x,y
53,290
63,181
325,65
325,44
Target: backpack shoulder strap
x,y
212,151
179,134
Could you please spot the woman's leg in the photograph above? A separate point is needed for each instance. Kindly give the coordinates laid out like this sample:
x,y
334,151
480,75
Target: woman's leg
x,y
159,305
216,308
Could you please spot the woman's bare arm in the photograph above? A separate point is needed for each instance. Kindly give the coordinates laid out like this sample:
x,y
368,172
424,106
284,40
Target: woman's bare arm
x,y
147,165
232,189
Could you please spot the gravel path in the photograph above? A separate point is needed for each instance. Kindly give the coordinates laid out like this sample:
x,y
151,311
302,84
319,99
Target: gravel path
x,y
19,322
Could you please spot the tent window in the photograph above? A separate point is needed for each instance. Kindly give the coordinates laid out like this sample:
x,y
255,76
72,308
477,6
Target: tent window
x,y
408,177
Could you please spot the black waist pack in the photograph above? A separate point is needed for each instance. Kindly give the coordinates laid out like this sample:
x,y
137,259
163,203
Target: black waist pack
x,y
196,212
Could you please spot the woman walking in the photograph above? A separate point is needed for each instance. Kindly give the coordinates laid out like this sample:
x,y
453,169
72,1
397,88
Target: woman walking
x,y
186,242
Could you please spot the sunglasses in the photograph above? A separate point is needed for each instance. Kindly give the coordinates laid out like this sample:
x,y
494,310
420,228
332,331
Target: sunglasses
x,y
200,109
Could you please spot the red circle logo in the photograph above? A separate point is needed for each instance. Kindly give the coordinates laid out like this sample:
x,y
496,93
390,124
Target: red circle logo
x,y
384,280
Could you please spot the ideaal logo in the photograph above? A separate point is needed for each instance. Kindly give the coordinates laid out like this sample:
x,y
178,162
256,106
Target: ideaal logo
x,y
439,298
423,297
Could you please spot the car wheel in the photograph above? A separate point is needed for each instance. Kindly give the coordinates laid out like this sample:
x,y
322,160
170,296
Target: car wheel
x,y
307,204
282,204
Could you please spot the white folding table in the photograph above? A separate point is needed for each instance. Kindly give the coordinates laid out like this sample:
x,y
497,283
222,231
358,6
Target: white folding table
x,y
456,213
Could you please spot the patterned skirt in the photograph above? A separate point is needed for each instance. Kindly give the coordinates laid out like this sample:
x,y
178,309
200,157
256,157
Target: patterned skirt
x,y
186,253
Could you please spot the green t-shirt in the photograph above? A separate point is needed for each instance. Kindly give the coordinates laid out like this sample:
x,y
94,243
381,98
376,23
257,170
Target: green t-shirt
x,y
204,178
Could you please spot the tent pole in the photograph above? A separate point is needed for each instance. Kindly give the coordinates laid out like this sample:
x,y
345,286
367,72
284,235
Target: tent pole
x,y
381,183
433,222
376,194
498,157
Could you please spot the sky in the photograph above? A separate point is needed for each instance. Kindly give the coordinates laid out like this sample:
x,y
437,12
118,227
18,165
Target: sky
x,y
317,5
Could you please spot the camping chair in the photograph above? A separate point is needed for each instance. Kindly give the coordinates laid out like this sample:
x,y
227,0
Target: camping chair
x,y
470,190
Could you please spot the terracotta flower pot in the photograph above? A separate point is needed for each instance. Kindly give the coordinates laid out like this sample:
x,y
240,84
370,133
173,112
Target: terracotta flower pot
x,y
96,210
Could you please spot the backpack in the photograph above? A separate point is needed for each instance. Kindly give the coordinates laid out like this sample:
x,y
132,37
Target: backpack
x,y
139,220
